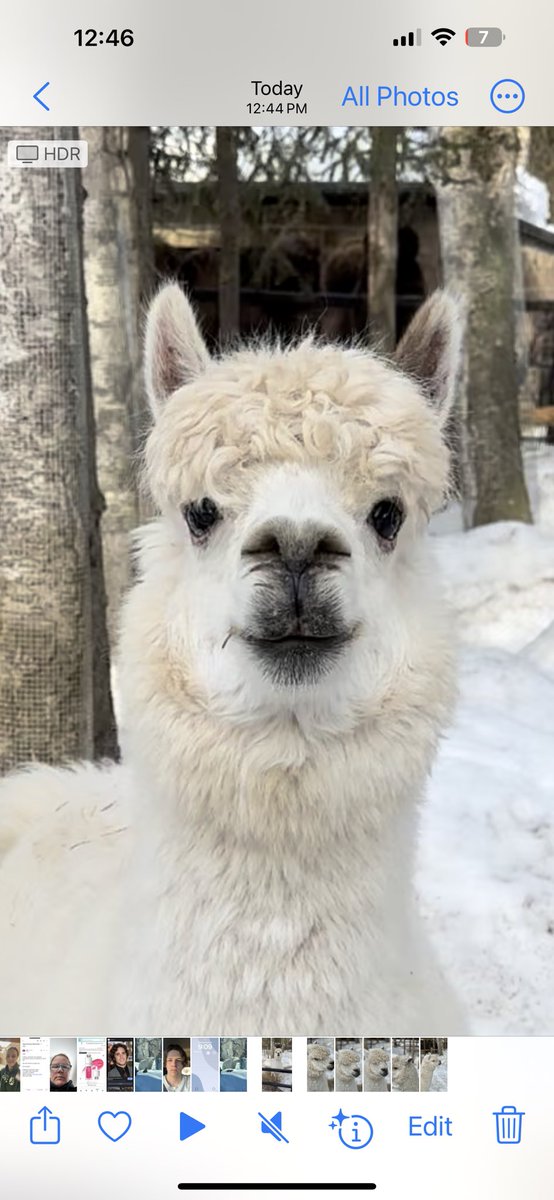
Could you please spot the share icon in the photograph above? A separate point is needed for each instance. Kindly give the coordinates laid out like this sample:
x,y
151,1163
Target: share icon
x,y
272,1125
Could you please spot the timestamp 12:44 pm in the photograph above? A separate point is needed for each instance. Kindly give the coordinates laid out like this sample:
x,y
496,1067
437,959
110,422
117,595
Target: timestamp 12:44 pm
x,y
256,108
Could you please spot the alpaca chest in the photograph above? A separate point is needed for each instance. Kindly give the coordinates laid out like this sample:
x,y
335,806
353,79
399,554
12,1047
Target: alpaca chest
x,y
247,941
252,928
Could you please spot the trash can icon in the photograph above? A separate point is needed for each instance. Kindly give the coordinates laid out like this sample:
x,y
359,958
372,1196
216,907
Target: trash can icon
x,y
508,1125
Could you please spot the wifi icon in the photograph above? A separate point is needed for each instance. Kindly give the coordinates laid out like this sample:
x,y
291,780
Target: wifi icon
x,y
443,35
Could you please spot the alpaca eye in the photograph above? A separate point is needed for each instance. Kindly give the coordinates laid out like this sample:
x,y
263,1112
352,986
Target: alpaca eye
x,y
387,517
201,516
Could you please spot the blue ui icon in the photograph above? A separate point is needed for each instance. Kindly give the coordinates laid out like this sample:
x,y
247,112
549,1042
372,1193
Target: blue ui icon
x,y
355,1132
507,95
508,1125
274,1126
44,1129
188,1126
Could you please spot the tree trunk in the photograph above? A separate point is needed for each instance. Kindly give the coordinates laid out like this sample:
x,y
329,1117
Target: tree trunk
x,y
117,247
55,702
480,245
229,224
139,156
382,237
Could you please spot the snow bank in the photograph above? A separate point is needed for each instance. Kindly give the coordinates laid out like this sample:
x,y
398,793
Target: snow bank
x,y
439,1082
486,862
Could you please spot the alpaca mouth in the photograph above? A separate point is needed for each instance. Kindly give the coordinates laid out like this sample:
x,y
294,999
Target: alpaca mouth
x,y
297,659
304,640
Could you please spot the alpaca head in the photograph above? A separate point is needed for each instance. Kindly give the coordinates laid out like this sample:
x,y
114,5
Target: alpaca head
x,y
377,1063
348,1065
295,485
319,1060
403,1068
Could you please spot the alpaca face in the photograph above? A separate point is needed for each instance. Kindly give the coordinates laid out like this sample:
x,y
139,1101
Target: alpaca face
x,y
295,486
377,1063
404,1071
348,1065
319,1061
298,566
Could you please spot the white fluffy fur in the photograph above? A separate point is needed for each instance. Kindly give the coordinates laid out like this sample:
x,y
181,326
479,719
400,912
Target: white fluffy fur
x,y
250,864
348,1071
319,1065
404,1074
429,1063
377,1066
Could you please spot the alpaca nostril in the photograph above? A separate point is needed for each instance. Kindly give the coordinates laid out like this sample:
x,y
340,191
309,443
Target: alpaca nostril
x,y
331,545
264,543
297,546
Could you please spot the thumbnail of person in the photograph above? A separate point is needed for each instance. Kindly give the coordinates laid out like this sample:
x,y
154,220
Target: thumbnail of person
x,y
63,1059
10,1078
120,1065
176,1068
148,1064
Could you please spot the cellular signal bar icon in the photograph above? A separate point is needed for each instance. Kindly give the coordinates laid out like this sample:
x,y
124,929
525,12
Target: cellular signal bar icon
x,y
408,39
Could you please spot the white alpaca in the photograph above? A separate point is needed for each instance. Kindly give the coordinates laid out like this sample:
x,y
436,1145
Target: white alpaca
x,y
376,1070
286,670
404,1073
348,1071
429,1063
319,1065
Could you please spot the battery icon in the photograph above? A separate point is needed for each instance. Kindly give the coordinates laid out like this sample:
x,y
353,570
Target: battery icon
x,y
484,37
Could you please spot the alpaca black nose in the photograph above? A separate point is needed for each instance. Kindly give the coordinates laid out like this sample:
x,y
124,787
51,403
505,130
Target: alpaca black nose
x,y
296,545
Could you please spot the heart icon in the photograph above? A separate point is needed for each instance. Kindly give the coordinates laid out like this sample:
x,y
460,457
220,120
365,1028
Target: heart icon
x,y
114,1125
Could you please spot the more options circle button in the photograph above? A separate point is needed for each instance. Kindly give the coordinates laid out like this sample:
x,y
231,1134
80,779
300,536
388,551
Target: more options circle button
x,y
507,95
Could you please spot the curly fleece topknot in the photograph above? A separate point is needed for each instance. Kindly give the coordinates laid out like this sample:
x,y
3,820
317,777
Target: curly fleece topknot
x,y
352,411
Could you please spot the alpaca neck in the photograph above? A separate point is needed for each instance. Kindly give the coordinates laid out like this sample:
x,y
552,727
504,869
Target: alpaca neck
x,y
271,787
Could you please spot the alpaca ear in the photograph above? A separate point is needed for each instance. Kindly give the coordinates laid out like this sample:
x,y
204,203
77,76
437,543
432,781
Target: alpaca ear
x,y
174,350
429,350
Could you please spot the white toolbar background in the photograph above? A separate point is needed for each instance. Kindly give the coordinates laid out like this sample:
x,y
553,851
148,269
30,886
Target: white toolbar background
x,y
484,1075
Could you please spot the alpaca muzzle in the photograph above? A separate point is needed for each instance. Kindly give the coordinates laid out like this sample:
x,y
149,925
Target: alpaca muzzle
x,y
296,623
296,634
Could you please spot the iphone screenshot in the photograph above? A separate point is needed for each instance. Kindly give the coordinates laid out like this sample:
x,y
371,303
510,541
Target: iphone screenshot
x,y
277,600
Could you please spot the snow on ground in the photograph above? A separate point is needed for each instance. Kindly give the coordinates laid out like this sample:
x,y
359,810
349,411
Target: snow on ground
x,y
439,1082
486,862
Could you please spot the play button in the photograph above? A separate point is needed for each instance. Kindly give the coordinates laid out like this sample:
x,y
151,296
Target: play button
x,y
188,1125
